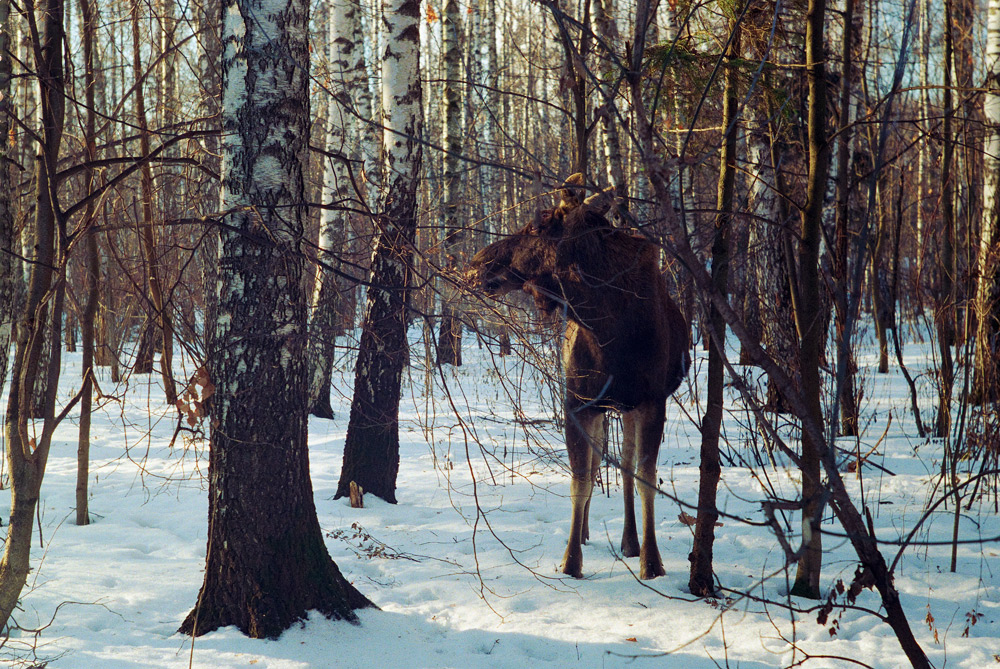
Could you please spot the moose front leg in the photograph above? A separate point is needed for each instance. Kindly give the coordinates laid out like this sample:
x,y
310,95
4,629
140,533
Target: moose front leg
x,y
585,446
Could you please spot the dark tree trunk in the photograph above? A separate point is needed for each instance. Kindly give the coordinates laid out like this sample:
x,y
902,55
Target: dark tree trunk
x,y
809,309
39,321
143,363
160,309
92,271
702,581
266,564
946,296
843,232
371,451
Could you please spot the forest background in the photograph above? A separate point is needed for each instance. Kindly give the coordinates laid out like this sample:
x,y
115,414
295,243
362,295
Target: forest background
x,y
238,210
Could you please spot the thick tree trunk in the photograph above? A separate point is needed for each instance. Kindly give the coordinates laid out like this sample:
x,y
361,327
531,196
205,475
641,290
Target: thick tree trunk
x,y
371,451
702,581
266,563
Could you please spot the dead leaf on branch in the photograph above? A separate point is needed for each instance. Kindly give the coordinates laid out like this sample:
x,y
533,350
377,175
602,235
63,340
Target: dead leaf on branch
x,y
689,520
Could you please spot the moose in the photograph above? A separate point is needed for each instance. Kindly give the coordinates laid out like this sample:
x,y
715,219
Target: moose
x,y
625,347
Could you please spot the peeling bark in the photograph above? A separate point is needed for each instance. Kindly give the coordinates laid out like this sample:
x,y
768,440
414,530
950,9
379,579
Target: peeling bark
x,y
266,563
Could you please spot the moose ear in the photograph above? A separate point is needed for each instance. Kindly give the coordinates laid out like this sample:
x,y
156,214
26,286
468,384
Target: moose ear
x,y
571,192
602,202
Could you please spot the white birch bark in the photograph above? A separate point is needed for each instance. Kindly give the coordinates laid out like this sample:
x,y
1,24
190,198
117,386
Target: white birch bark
x,y
987,375
923,159
344,185
450,340
262,515
7,265
371,451
606,27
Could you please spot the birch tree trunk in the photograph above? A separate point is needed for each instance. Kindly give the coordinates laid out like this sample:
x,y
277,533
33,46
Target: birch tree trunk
x,y
7,264
606,27
371,451
209,62
923,161
986,377
343,186
449,350
266,563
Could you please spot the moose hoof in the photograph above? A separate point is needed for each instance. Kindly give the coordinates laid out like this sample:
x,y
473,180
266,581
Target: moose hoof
x,y
650,565
630,546
649,571
572,564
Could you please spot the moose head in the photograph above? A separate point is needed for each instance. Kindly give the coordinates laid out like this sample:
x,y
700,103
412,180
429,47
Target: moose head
x,y
535,259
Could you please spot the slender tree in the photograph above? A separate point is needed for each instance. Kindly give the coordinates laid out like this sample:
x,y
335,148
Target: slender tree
x,y
160,316
266,564
606,28
702,581
808,309
209,63
344,191
986,378
843,233
371,451
449,349
947,268
40,319
92,268
7,254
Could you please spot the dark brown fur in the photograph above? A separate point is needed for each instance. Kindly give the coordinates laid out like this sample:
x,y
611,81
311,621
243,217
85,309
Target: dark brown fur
x,y
625,348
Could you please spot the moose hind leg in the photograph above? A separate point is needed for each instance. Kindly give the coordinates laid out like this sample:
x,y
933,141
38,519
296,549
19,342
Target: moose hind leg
x,y
584,445
596,455
649,432
630,537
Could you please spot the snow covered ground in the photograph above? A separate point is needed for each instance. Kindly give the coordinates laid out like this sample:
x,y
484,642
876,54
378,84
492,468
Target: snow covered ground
x,y
464,568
